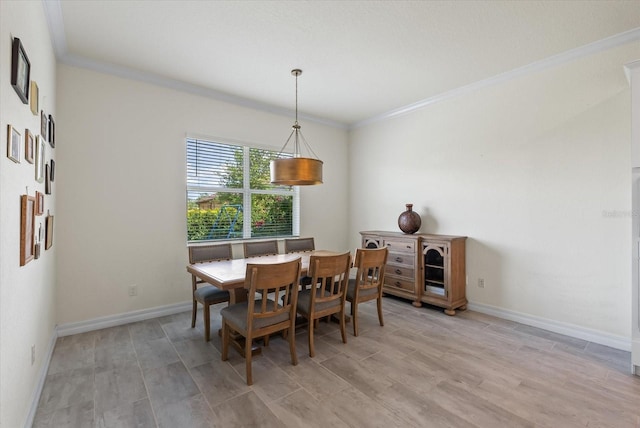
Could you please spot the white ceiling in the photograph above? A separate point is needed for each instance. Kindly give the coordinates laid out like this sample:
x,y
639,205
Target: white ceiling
x,y
361,60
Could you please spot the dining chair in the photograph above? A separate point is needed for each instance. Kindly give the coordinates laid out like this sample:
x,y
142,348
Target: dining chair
x,y
261,316
367,285
329,278
260,248
298,245
207,295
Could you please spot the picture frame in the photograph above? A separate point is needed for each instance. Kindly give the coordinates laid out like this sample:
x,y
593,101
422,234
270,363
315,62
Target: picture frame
x,y
44,124
13,144
27,228
28,146
53,170
34,98
39,204
47,180
40,148
20,70
52,132
48,240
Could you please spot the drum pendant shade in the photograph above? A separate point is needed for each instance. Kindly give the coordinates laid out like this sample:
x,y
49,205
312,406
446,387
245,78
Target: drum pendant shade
x,y
298,170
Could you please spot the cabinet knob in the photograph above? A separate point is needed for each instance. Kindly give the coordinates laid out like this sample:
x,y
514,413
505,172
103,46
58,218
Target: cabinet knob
x,y
398,271
399,259
398,284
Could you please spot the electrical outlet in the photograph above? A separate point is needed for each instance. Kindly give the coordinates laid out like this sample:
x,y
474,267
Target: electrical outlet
x,y
33,354
481,282
133,290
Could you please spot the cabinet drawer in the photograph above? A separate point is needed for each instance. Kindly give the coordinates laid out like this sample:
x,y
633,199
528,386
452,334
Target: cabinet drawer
x,y
400,246
403,271
401,259
400,283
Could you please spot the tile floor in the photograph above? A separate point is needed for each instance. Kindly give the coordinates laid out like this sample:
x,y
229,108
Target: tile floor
x,y
422,369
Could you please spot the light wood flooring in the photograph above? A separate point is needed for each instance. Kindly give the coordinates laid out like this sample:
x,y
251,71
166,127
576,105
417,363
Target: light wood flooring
x,y
422,369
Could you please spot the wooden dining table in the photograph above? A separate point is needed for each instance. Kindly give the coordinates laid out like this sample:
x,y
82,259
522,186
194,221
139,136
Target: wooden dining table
x,y
230,274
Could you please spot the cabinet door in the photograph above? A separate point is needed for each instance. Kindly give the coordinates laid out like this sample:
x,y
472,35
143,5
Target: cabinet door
x,y
372,242
436,261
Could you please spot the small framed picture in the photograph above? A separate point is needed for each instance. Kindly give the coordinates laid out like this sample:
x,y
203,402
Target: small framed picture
x,y
33,98
20,70
28,146
13,144
53,169
27,228
47,180
44,123
52,132
39,204
40,159
48,241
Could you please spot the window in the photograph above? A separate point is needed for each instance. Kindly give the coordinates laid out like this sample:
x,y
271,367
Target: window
x,y
229,194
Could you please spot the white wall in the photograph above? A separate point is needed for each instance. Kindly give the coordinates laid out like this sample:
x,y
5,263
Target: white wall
x,y
121,187
27,294
530,170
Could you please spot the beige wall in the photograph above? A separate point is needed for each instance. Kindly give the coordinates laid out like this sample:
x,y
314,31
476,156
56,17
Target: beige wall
x,y
529,170
27,294
122,188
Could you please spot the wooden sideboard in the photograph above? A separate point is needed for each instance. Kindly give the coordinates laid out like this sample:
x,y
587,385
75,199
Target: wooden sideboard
x,y
424,268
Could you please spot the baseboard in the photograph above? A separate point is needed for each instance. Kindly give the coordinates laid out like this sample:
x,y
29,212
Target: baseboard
x,y
42,376
120,319
567,329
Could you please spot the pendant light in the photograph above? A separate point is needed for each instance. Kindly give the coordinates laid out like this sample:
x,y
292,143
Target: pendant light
x,y
298,170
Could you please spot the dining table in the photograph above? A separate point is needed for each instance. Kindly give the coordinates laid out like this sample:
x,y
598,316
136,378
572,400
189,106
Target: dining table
x,y
230,275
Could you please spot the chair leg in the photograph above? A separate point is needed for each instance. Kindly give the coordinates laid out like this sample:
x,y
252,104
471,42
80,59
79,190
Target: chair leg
x,y
207,325
343,327
354,314
312,350
380,311
225,341
292,344
247,357
193,314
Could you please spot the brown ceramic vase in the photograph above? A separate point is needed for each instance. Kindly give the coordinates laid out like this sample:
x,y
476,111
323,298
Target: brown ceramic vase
x,y
409,221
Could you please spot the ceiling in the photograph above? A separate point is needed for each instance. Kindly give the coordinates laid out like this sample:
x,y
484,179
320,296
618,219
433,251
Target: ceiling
x,y
361,60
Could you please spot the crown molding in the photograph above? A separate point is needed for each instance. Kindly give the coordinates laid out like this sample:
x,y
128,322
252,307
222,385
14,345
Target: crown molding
x,y
552,61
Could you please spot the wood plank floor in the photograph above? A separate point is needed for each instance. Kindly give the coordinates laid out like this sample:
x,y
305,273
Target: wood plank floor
x,y
422,369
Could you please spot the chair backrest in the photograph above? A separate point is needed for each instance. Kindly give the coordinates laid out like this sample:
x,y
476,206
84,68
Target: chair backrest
x,y
296,245
260,248
279,280
209,253
370,263
330,274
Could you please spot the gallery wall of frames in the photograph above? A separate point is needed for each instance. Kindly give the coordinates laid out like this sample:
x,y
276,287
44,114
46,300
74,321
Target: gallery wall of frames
x,y
32,148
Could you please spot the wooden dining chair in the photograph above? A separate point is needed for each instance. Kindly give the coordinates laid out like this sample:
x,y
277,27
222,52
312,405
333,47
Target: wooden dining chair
x,y
329,278
207,295
367,285
298,245
260,315
260,248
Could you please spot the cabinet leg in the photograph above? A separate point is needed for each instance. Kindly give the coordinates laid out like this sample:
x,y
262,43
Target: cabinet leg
x,y
463,308
417,303
450,312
